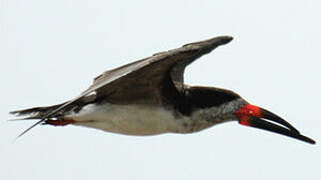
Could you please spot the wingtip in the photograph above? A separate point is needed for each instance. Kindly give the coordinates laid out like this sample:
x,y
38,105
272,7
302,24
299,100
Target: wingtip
x,y
221,40
213,42
313,142
227,39
31,127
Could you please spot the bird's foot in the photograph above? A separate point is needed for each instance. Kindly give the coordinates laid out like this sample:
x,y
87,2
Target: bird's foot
x,y
60,121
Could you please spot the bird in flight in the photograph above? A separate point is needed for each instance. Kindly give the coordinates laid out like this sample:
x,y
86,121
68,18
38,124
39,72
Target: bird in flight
x,y
149,97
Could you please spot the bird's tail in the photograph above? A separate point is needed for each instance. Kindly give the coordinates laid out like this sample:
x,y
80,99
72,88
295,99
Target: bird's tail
x,y
35,112
45,115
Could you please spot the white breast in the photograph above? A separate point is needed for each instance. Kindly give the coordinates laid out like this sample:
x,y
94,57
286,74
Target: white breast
x,y
129,119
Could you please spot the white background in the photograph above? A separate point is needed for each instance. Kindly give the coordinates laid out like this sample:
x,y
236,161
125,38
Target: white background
x,y
51,50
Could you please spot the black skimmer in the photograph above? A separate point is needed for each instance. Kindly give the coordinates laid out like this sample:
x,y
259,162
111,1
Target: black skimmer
x,y
149,97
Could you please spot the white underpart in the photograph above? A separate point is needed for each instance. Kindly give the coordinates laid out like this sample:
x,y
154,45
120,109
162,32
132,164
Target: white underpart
x,y
151,120
128,119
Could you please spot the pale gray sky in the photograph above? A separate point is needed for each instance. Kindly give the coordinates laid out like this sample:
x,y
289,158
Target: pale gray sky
x,y
51,50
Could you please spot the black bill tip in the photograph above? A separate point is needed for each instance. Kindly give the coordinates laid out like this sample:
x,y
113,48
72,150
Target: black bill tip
x,y
265,125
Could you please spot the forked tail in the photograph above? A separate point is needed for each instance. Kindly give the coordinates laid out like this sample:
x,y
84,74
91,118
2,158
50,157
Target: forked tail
x,y
35,112
40,113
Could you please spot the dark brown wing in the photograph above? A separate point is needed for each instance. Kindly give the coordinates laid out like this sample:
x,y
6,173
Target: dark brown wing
x,y
202,47
142,81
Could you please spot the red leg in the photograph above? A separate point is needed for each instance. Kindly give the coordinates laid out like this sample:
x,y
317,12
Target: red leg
x,y
60,122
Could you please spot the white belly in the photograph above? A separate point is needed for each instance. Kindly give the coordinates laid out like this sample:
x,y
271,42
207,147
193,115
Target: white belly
x,y
129,119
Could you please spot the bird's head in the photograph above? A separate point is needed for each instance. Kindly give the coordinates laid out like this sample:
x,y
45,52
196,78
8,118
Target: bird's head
x,y
223,105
